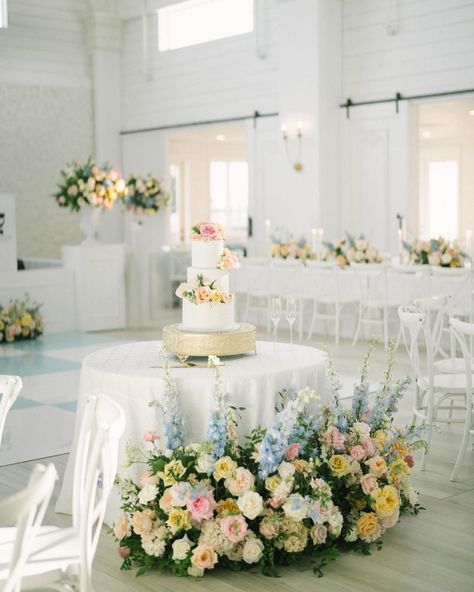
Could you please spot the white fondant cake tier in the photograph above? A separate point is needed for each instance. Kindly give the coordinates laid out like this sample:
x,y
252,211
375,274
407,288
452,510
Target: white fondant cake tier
x,y
220,277
206,254
208,317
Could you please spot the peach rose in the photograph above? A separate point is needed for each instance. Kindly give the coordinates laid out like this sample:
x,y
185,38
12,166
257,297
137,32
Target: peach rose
x,y
122,527
147,478
204,557
166,501
368,527
377,465
318,534
357,452
368,484
142,522
203,295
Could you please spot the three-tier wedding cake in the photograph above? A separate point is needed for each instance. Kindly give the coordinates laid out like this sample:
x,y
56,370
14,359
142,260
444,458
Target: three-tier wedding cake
x,y
208,306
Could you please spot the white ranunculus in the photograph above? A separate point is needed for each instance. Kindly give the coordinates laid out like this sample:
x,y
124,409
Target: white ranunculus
x,y
253,550
204,463
181,548
250,504
296,507
147,494
286,470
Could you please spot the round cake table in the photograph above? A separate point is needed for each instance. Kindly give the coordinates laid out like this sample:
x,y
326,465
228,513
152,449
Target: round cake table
x,y
131,374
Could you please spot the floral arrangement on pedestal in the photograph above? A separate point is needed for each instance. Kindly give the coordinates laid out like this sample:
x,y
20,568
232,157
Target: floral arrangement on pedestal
x,y
352,250
436,251
202,292
20,319
89,185
145,195
207,231
306,486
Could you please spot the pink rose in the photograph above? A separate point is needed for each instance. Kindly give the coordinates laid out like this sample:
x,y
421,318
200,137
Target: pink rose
x,y
150,436
357,452
234,527
277,501
332,437
209,231
124,552
368,484
202,507
292,451
147,478
318,534
203,295
369,447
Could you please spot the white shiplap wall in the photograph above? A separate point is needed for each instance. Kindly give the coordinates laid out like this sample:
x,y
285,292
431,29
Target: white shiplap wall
x,y
46,115
220,79
432,49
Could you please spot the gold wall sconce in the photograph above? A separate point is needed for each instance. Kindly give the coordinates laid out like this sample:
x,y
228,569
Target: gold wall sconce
x,y
296,164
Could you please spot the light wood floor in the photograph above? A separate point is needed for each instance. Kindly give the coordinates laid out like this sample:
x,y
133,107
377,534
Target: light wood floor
x,y
433,552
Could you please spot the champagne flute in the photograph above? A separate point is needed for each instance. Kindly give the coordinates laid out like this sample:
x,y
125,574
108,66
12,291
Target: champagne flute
x,y
290,313
275,315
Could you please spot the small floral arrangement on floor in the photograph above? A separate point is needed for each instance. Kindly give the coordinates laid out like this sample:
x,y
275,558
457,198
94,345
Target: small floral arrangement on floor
x,y
436,251
228,260
352,250
20,319
89,184
202,292
145,195
308,486
207,231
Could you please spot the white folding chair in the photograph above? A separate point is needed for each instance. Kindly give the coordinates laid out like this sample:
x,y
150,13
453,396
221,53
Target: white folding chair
x,y
461,331
65,555
10,387
26,509
256,277
431,390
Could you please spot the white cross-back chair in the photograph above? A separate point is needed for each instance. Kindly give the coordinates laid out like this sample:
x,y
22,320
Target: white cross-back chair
x,y
10,387
65,555
256,282
433,391
463,331
26,509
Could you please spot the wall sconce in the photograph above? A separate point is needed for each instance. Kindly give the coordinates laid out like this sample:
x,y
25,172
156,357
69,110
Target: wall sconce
x,y
299,134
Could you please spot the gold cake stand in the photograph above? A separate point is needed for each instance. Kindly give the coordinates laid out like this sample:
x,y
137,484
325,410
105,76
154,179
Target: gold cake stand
x,y
230,343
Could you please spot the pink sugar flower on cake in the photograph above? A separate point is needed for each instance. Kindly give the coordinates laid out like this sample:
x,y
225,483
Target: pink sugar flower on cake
x,y
228,260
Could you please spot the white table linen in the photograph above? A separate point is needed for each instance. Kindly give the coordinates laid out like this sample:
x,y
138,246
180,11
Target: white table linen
x,y
129,374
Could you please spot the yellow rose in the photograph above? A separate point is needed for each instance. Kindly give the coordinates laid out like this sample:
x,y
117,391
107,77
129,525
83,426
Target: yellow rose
x,y
368,527
397,471
172,472
401,449
380,437
216,296
385,500
224,467
271,483
26,320
179,519
339,465
228,507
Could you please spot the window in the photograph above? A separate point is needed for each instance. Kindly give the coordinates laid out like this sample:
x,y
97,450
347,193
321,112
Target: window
x,y
199,21
229,196
443,199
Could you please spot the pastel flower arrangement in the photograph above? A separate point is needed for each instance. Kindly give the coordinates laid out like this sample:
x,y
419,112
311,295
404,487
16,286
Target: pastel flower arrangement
x,y
145,195
207,231
352,250
306,486
228,260
436,251
20,319
202,292
89,184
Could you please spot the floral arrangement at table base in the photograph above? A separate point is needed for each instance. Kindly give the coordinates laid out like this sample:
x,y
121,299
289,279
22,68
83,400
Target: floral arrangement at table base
x,y
352,250
145,195
90,189
20,319
308,486
436,251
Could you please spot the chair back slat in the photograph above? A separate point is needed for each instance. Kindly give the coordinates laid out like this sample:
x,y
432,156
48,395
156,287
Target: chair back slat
x,y
10,387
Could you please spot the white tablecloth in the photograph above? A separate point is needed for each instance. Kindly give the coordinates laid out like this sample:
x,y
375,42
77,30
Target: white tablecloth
x,y
129,374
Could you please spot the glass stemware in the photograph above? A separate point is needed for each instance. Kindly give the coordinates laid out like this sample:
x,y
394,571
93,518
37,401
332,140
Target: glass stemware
x,y
290,313
275,315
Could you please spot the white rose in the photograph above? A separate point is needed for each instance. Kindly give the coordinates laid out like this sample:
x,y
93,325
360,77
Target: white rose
x,y
205,463
335,522
250,504
195,572
286,470
181,548
253,550
240,482
296,507
147,494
